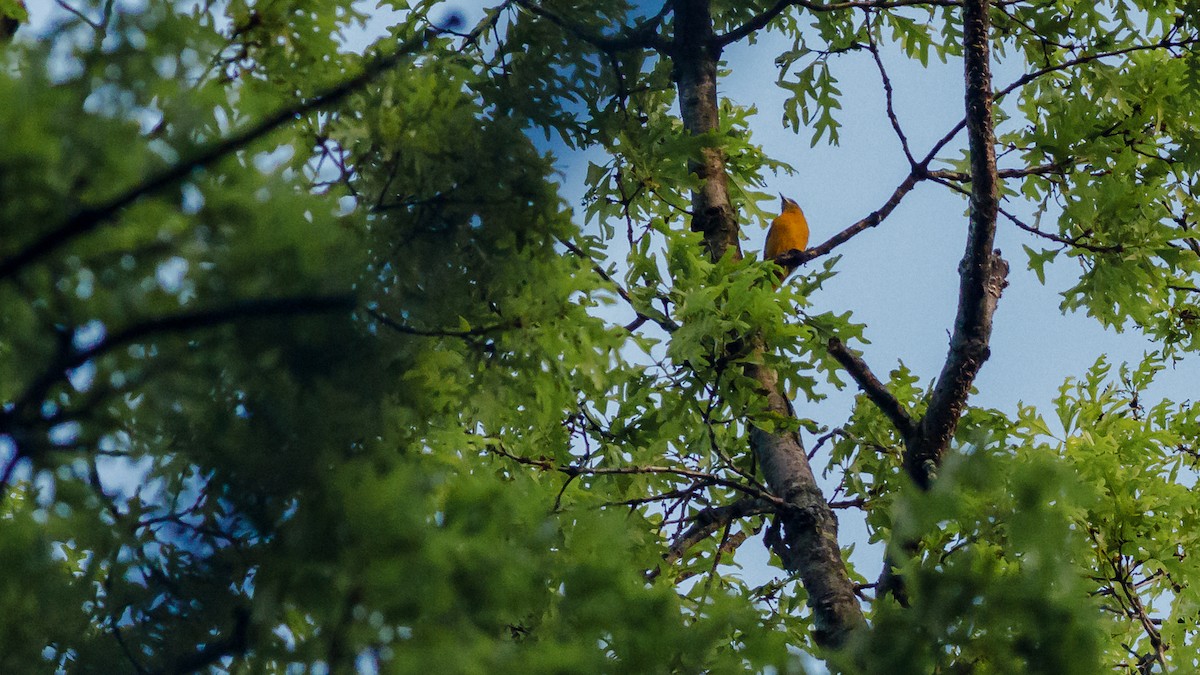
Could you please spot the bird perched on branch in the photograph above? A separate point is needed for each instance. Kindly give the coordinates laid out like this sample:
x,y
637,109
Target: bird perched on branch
x,y
788,231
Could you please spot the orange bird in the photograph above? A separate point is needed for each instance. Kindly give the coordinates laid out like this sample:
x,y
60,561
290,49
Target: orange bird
x,y
788,231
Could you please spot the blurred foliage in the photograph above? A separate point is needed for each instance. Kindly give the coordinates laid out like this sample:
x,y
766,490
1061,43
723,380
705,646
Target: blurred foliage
x,y
353,392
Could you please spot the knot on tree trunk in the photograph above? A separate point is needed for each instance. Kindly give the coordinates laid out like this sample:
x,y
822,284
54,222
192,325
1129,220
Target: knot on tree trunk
x,y
806,516
997,279
712,218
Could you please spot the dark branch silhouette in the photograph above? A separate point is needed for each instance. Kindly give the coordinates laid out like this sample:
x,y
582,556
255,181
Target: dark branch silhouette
x,y
641,36
70,358
88,218
872,387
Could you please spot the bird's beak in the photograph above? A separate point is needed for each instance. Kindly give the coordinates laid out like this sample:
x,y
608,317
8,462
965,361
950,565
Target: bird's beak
x,y
782,199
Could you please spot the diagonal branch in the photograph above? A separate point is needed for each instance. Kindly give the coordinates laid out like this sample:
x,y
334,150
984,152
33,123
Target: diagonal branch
x,y
760,21
642,36
35,393
87,219
887,93
757,23
641,317
795,258
1076,242
706,523
872,387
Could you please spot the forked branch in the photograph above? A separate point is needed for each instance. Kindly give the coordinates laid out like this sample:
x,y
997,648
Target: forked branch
x,y
982,272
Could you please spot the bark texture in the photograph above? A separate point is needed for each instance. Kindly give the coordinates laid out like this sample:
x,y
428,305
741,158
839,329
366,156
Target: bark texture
x,y
808,545
982,272
695,54
982,278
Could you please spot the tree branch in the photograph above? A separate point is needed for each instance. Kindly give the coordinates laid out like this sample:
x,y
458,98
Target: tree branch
x,y
1041,170
706,523
872,387
982,272
887,93
87,219
795,258
1030,77
642,36
937,177
660,319
921,170
760,21
72,357
1165,43
545,464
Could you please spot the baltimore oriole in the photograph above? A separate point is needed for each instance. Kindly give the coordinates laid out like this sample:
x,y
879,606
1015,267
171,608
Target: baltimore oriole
x,y
788,231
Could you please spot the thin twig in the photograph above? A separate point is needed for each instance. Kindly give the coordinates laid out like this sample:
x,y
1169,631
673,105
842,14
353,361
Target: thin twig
x,y
887,92
663,321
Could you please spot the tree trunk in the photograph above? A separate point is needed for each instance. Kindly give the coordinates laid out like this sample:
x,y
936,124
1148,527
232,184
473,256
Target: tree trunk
x,y
808,545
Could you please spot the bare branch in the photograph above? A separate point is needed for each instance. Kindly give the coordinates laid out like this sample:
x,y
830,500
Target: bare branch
x,y
757,23
872,387
887,92
937,177
97,25
795,258
663,321
1075,242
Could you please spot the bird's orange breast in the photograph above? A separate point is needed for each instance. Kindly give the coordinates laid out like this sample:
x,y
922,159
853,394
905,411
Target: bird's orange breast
x,y
788,231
